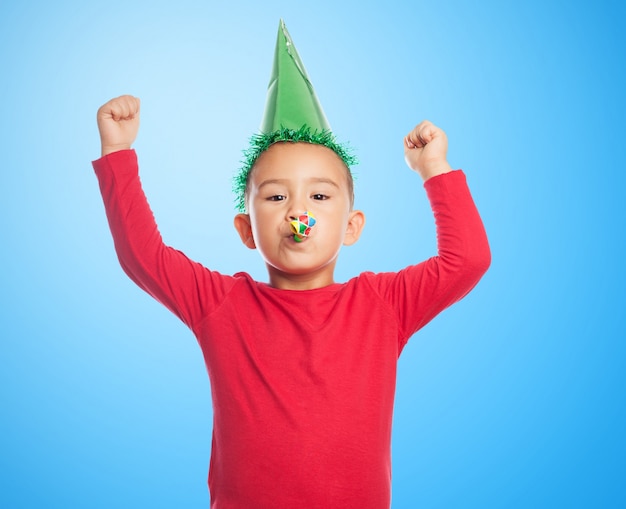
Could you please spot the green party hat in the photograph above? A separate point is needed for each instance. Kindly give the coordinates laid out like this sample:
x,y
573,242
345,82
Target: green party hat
x,y
292,113
291,100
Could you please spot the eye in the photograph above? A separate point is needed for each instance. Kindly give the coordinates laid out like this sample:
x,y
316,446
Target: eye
x,y
276,197
320,196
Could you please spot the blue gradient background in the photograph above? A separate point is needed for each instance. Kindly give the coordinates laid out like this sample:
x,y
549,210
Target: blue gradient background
x,y
512,398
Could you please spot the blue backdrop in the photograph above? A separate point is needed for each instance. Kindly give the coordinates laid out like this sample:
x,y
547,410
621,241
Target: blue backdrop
x,y
513,398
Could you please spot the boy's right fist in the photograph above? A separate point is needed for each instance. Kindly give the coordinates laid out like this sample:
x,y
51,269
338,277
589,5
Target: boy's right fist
x,y
118,123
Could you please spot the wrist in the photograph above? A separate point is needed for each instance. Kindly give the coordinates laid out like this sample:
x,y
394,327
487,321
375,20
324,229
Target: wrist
x,y
434,170
109,149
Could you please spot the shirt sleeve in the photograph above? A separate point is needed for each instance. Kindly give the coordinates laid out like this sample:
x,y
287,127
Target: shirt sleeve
x,y
419,292
185,287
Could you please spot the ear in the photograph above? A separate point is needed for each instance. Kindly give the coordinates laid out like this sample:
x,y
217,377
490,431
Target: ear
x,y
244,229
356,223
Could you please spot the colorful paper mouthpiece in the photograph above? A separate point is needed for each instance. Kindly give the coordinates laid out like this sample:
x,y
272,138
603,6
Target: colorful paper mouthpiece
x,y
301,227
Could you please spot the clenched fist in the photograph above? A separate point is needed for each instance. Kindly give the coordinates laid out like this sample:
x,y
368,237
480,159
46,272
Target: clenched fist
x,y
425,149
118,123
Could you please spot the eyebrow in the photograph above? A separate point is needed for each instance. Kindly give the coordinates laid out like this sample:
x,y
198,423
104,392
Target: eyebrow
x,y
315,180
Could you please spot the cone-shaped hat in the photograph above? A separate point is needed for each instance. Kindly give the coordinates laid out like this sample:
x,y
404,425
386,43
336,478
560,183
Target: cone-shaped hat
x,y
292,113
291,100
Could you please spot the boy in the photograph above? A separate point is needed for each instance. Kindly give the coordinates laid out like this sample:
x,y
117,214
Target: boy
x,y
302,401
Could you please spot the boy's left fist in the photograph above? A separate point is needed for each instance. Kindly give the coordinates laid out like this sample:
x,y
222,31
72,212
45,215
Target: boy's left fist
x,y
425,150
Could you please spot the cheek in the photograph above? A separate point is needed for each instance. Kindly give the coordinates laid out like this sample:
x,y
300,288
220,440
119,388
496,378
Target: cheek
x,y
260,224
333,227
257,230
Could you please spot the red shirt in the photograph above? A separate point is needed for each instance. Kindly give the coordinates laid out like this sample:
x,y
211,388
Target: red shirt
x,y
302,382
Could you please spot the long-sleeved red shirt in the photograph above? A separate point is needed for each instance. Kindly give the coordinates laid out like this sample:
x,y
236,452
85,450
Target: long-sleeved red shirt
x,y
302,382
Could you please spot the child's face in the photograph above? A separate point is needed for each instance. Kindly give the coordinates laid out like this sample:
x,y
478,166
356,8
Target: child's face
x,y
287,180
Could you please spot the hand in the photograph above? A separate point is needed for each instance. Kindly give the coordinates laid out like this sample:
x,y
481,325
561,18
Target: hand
x,y
425,149
118,123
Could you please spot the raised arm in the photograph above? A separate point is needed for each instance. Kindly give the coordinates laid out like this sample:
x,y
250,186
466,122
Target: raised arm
x,y
419,292
185,287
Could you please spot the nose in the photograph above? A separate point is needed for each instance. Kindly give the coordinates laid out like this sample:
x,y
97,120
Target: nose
x,y
296,214
295,211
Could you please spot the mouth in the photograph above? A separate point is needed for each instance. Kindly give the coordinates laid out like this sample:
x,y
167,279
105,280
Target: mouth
x,y
298,239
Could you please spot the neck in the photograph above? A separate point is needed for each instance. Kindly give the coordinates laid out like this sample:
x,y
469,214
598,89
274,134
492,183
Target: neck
x,y
309,281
